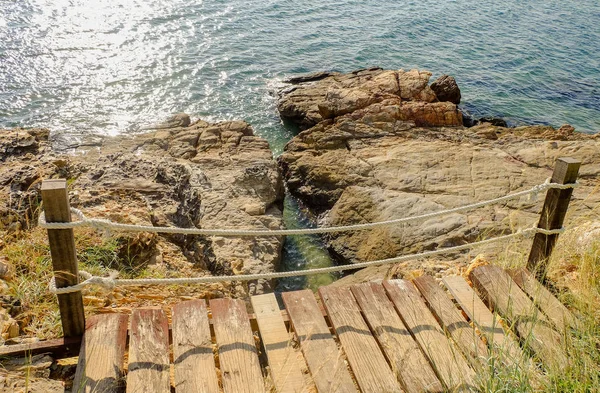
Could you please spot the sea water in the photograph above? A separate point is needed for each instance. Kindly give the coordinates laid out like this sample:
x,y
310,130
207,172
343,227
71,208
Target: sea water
x,y
95,67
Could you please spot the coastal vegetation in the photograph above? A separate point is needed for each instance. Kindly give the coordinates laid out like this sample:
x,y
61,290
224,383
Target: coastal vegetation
x,y
573,276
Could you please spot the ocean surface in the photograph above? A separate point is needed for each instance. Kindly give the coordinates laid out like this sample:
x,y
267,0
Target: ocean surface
x,y
88,67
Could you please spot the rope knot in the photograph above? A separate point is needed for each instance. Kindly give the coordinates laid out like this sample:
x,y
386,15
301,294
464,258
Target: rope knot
x,y
102,225
536,190
105,282
528,233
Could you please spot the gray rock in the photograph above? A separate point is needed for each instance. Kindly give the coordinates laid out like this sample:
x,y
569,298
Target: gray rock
x,y
446,89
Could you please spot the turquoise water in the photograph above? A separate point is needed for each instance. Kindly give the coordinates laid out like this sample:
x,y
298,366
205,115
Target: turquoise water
x,y
85,67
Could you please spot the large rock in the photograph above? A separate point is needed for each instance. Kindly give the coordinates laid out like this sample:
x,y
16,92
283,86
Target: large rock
x,y
413,85
386,161
317,97
446,89
201,176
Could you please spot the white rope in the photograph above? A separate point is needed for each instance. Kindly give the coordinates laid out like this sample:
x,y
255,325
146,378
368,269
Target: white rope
x,y
111,281
107,225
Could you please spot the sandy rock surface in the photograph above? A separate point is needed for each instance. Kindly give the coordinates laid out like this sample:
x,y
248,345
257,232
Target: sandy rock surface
x,y
377,162
204,176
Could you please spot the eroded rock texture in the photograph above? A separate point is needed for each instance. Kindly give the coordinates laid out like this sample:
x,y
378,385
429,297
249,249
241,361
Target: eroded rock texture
x,y
312,99
203,176
368,157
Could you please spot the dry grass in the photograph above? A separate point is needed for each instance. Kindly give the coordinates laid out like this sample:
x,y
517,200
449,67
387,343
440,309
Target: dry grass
x,y
36,309
574,277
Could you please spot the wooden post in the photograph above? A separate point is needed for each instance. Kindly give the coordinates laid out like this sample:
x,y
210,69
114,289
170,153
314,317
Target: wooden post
x,y
553,215
64,259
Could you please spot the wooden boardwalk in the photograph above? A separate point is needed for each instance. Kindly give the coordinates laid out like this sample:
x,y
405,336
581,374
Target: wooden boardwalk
x,y
395,336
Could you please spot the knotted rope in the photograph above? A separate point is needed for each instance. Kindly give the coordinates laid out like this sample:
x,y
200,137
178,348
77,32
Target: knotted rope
x,y
112,282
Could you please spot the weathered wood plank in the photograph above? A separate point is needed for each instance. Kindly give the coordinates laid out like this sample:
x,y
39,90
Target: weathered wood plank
x,y
502,345
59,348
506,297
148,369
64,257
238,357
447,361
408,362
193,358
285,362
544,299
446,312
370,368
325,361
100,365
477,311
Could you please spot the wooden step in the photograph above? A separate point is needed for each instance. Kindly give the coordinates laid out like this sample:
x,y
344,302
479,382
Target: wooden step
x,y
370,368
149,368
503,346
404,354
285,362
447,361
505,296
560,316
456,325
100,365
487,323
238,357
325,361
193,357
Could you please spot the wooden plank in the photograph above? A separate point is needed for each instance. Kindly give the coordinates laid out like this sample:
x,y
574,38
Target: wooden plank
x,y
238,357
325,361
447,361
100,365
149,368
59,348
505,296
503,346
552,215
69,346
370,368
408,362
64,258
285,362
453,321
193,358
543,298
488,324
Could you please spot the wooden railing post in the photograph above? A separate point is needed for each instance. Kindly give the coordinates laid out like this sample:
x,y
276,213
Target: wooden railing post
x,y
64,259
553,214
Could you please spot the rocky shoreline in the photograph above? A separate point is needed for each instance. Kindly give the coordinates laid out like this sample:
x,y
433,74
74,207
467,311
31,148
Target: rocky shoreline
x,y
381,144
194,175
375,145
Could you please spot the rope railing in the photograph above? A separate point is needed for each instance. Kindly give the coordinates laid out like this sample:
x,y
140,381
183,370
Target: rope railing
x,y
111,281
58,214
108,226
